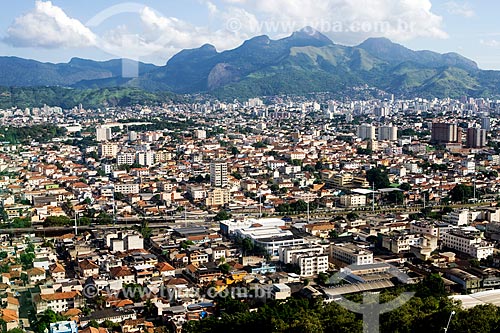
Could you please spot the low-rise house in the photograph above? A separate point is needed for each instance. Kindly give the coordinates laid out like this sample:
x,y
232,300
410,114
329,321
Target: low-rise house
x,y
468,282
165,269
57,271
10,317
319,229
136,326
35,275
202,273
88,268
112,315
63,327
58,301
122,273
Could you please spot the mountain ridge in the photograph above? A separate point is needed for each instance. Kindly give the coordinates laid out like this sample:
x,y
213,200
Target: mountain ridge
x,y
306,61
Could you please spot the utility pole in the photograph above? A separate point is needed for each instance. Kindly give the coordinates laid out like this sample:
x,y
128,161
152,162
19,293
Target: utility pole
x,y
307,211
260,205
76,224
114,208
185,217
373,196
474,189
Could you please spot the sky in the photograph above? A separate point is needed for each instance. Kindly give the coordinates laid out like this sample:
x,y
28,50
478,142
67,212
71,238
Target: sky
x,y
154,30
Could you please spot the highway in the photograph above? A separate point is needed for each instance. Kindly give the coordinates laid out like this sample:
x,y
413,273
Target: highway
x,y
161,221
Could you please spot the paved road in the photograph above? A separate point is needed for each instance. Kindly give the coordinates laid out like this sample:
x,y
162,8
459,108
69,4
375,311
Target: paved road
x,y
159,222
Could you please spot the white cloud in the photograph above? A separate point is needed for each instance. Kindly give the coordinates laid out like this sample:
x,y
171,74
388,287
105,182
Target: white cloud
x,y
460,9
230,23
169,33
235,1
48,26
490,42
355,20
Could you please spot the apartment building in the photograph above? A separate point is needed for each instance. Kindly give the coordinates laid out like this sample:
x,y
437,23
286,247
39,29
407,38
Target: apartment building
x,y
468,241
350,254
353,200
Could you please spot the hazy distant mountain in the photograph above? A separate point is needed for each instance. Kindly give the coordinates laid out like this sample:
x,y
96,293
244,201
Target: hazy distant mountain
x,y
23,72
307,61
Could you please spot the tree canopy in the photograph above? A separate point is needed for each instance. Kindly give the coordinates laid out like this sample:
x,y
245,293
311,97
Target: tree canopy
x,y
461,193
378,177
428,311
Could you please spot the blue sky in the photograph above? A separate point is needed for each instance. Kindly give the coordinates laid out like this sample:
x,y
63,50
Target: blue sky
x,y
154,30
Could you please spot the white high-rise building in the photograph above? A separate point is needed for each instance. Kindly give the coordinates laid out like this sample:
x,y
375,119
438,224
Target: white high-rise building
x,y
108,150
254,102
388,132
218,173
200,134
125,158
366,131
132,136
146,158
103,133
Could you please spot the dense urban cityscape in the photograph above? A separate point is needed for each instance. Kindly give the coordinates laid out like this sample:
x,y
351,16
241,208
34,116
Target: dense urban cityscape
x,y
242,166
151,214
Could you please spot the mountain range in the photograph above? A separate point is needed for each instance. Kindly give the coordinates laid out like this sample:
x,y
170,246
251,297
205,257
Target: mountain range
x,y
305,62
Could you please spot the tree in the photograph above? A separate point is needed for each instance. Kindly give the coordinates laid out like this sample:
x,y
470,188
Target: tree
x,y
104,218
247,245
3,325
447,210
299,206
149,307
145,230
308,168
224,268
27,260
109,324
378,178
395,197
431,285
185,244
222,215
479,319
475,263
234,151
461,193
84,221
363,151
15,330
319,166
405,187
119,196
44,321
57,221
259,144
352,216
199,179
19,222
